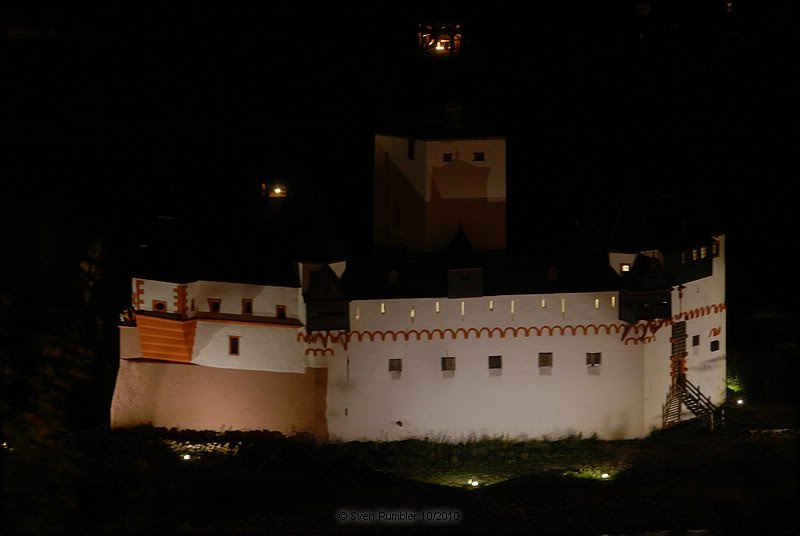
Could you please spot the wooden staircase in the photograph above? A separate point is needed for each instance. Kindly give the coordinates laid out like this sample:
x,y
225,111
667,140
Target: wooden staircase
x,y
672,408
682,392
685,393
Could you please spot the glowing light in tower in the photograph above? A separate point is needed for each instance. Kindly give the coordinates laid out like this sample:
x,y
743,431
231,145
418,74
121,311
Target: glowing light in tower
x,y
277,190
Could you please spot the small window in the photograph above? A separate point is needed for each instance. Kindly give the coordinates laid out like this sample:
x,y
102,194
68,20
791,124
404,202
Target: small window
x,y
593,359
448,363
192,306
214,305
447,157
715,249
703,252
395,365
478,157
280,312
696,340
714,346
545,359
625,267
694,254
683,257
233,345
160,306
495,362
247,306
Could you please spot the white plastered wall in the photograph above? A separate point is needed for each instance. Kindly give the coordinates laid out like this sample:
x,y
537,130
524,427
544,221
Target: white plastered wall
x,y
365,401
267,348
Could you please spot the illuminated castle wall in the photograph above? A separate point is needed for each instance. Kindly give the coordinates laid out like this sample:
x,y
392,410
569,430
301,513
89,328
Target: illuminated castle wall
x,y
184,371
523,393
452,364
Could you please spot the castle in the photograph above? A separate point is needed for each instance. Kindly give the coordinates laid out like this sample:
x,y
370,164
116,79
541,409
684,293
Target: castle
x,y
446,336
443,331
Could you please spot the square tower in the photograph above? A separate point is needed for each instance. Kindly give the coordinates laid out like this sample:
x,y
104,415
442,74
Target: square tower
x,y
428,188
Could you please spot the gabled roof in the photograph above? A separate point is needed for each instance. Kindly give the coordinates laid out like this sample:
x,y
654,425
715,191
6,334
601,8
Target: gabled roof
x,y
324,285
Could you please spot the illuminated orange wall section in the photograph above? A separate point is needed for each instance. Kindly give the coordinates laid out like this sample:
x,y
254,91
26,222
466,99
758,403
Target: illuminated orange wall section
x,y
166,339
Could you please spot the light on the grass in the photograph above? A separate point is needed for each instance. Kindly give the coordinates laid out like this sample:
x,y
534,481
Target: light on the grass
x,y
186,457
740,401
604,475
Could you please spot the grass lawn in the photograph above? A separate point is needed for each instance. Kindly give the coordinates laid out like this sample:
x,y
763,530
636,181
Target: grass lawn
x,y
735,480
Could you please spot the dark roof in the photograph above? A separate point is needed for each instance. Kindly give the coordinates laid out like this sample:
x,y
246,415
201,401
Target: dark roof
x,y
419,276
452,122
660,223
647,273
324,285
183,252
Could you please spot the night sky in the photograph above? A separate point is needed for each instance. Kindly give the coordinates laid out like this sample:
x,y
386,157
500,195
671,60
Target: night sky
x,y
136,124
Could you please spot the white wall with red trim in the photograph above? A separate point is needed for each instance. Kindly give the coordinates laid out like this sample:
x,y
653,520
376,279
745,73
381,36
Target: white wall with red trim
x,y
366,401
622,398
265,298
486,311
702,307
148,291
